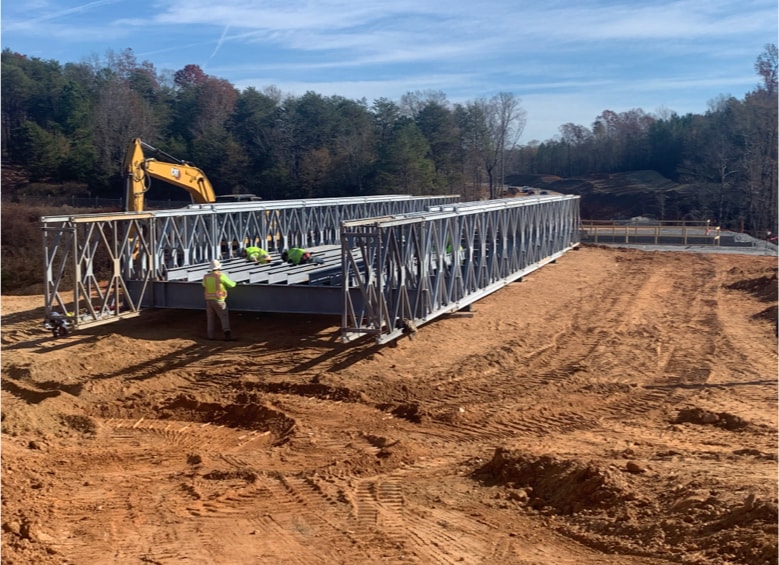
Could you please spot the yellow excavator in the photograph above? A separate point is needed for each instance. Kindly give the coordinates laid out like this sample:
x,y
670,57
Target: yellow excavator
x,y
139,170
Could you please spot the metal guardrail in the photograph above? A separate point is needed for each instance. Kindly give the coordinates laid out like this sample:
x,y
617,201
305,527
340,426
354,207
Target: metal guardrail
x,y
659,233
654,233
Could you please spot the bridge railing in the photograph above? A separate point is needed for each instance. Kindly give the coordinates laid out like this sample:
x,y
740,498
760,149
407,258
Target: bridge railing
x,y
90,259
654,232
410,269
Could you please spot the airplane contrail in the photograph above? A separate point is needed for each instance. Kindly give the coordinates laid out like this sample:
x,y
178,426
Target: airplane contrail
x,y
218,44
61,13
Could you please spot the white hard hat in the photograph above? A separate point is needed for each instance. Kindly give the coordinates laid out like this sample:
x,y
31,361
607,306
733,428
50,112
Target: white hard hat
x,y
215,264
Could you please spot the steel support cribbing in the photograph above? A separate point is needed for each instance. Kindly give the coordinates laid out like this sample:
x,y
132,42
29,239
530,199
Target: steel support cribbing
x,y
114,264
407,270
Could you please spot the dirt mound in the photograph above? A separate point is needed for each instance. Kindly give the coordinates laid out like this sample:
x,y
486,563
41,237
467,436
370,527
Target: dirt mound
x,y
311,389
247,415
706,417
567,486
765,288
618,510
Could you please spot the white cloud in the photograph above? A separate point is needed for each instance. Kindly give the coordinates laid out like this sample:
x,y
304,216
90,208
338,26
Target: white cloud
x,y
583,55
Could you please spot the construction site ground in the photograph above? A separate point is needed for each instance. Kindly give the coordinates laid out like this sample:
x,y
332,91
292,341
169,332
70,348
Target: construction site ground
x,y
616,407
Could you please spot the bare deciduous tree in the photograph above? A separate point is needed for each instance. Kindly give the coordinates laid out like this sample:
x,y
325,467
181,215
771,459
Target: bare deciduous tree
x,y
505,121
766,66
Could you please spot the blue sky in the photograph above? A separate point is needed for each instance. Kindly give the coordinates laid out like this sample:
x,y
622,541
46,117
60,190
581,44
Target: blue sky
x,y
566,60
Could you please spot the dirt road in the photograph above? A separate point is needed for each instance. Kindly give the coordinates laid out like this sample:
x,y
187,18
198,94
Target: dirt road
x,y
616,407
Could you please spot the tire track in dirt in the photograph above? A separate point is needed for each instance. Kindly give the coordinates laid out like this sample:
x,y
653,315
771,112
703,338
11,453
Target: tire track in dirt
x,y
216,494
435,538
621,320
378,515
189,435
381,510
750,375
303,496
107,507
317,474
444,535
303,511
708,335
251,510
241,498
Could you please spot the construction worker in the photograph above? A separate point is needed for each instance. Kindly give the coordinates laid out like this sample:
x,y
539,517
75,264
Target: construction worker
x,y
298,256
216,284
256,255
460,251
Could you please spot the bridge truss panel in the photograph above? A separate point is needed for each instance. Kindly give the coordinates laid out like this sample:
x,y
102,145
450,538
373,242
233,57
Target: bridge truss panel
x,y
91,259
408,270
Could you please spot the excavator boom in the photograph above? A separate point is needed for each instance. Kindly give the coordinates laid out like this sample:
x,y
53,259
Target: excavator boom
x,y
139,170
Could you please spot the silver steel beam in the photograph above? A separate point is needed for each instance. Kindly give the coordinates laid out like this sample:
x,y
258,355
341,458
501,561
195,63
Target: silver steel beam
x,y
416,267
96,256
387,263
277,298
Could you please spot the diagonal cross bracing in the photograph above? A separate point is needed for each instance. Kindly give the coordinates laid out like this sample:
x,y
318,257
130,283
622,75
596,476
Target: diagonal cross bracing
x,y
102,267
415,267
385,262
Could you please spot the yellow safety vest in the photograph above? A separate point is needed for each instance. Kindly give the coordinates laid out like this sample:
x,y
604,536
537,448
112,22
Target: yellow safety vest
x,y
295,255
212,282
256,253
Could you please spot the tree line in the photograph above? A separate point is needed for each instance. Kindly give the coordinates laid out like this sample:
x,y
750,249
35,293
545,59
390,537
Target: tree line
x,y
68,125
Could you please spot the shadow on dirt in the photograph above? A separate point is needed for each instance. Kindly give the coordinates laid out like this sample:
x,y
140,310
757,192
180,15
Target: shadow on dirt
x,y
312,390
256,333
25,316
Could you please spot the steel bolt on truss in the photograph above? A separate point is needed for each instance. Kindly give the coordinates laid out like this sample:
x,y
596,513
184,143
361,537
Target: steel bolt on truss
x,y
411,269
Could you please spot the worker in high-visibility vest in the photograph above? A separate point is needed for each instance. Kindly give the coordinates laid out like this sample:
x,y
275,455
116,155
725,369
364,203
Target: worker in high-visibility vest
x,y
256,255
216,284
298,256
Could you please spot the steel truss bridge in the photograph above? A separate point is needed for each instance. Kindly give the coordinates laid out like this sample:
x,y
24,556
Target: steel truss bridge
x,y
387,264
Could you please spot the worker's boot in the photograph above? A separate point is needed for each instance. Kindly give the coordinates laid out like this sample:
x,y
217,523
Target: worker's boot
x,y
229,336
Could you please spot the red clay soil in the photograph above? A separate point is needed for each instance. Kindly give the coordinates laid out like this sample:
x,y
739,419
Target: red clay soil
x,y
616,407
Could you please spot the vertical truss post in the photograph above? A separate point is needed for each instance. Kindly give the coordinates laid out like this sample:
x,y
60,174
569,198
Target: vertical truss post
x,y
421,274
113,261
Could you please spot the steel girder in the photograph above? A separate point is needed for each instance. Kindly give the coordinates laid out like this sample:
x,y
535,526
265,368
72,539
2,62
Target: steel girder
x,y
276,298
410,269
98,256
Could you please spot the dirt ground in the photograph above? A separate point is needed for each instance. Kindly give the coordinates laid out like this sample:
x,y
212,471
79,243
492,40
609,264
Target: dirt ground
x,y
615,407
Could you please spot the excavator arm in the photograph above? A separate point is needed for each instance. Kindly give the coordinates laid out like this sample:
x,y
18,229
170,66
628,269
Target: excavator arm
x,y
139,170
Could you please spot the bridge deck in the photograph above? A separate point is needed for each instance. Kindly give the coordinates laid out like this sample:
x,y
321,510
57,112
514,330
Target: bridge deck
x,y
275,272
